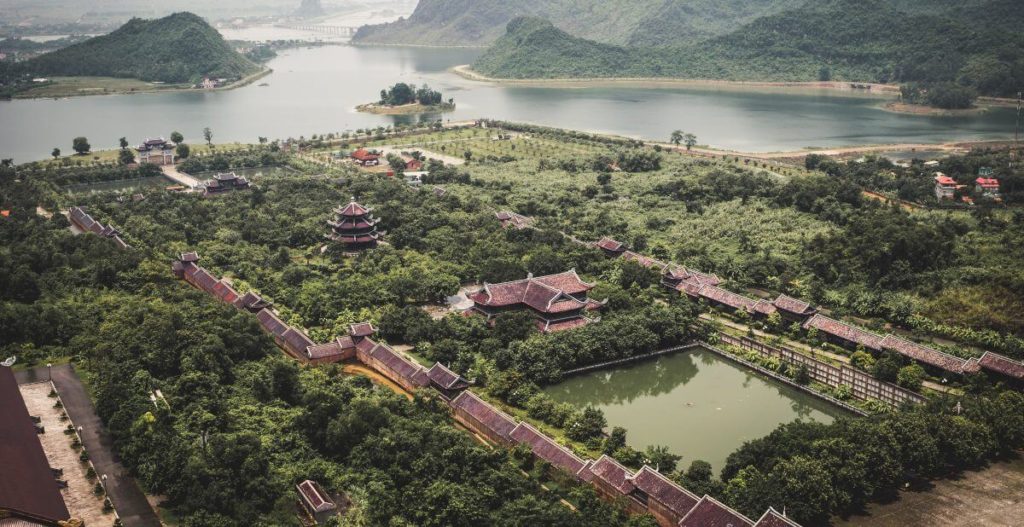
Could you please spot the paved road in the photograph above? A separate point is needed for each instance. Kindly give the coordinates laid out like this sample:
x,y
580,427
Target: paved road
x,y
171,172
124,492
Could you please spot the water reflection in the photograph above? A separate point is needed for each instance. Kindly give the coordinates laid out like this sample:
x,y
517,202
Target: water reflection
x,y
698,404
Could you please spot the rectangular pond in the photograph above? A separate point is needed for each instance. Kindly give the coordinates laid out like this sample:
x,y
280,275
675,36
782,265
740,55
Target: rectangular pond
x,y
698,404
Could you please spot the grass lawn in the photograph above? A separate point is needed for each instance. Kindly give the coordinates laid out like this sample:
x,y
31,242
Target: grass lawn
x,y
77,86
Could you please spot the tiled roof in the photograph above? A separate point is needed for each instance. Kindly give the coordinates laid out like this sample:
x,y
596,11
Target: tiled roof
x,y
511,218
973,365
323,351
1003,365
26,482
251,301
225,292
644,260
546,448
609,244
315,496
764,307
296,341
722,296
445,378
771,518
401,366
922,353
189,257
495,420
204,280
665,491
987,182
362,329
552,326
271,323
547,294
710,513
353,209
613,474
792,305
364,155
845,331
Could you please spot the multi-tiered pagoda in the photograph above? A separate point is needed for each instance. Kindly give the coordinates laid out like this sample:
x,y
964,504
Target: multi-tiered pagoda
x,y
354,227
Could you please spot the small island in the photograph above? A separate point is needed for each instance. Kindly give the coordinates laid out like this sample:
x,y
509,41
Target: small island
x,y
407,99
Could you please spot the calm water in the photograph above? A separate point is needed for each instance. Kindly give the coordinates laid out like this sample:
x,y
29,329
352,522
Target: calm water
x,y
696,403
140,184
314,90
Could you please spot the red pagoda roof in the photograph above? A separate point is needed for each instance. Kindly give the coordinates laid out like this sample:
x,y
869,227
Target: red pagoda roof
x,y
711,513
353,210
546,294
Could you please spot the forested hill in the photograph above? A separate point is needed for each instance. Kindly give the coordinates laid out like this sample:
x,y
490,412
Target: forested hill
x,y
623,22
857,40
178,48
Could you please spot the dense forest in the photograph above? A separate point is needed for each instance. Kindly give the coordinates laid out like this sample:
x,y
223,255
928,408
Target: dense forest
x,y
624,22
244,424
179,48
875,41
403,93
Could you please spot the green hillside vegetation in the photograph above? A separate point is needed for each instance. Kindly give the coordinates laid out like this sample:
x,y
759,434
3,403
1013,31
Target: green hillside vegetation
x,y
178,48
870,41
623,22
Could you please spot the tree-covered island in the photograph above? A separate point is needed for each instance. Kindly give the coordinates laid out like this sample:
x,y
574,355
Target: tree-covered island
x,y
403,99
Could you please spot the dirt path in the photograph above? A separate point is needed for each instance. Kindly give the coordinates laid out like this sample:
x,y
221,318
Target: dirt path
x,y
993,497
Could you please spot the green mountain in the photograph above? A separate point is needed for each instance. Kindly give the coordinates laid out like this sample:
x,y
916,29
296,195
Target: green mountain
x,y
623,22
178,48
855,40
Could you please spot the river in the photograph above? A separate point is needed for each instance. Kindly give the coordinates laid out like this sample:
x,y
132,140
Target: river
x,y
699,405
315,90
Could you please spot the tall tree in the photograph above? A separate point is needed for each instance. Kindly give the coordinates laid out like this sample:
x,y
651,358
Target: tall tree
x,y
123,142
55,153
81,145
677,137
208,135
176,137
690,140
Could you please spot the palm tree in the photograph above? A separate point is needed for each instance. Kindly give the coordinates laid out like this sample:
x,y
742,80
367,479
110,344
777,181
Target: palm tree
x,y
677,137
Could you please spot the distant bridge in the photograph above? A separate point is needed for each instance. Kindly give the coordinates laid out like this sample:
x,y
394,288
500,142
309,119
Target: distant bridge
x,y
343,31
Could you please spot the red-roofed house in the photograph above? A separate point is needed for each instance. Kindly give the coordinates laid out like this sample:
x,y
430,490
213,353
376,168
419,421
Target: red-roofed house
x,y
709,512
414,165
945,186
987,187
558,301
366,158
482,418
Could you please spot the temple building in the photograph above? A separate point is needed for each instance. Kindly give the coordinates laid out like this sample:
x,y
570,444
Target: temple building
x,y
988,187
710,511
446,382
317,503
341,348
79,218
611,247
156,152
511,219
843,334
225,182
558,301
354,227
793,309
482,418
366,158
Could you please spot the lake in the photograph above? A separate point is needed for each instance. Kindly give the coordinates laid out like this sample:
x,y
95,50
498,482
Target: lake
x,y
698,404
315,90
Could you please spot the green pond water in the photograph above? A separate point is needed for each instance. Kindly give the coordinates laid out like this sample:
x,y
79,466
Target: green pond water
x,y
698,404
123,185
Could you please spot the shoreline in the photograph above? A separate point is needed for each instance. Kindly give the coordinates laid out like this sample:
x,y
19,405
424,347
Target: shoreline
x,y
240,83
405,109
874,90
920,109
